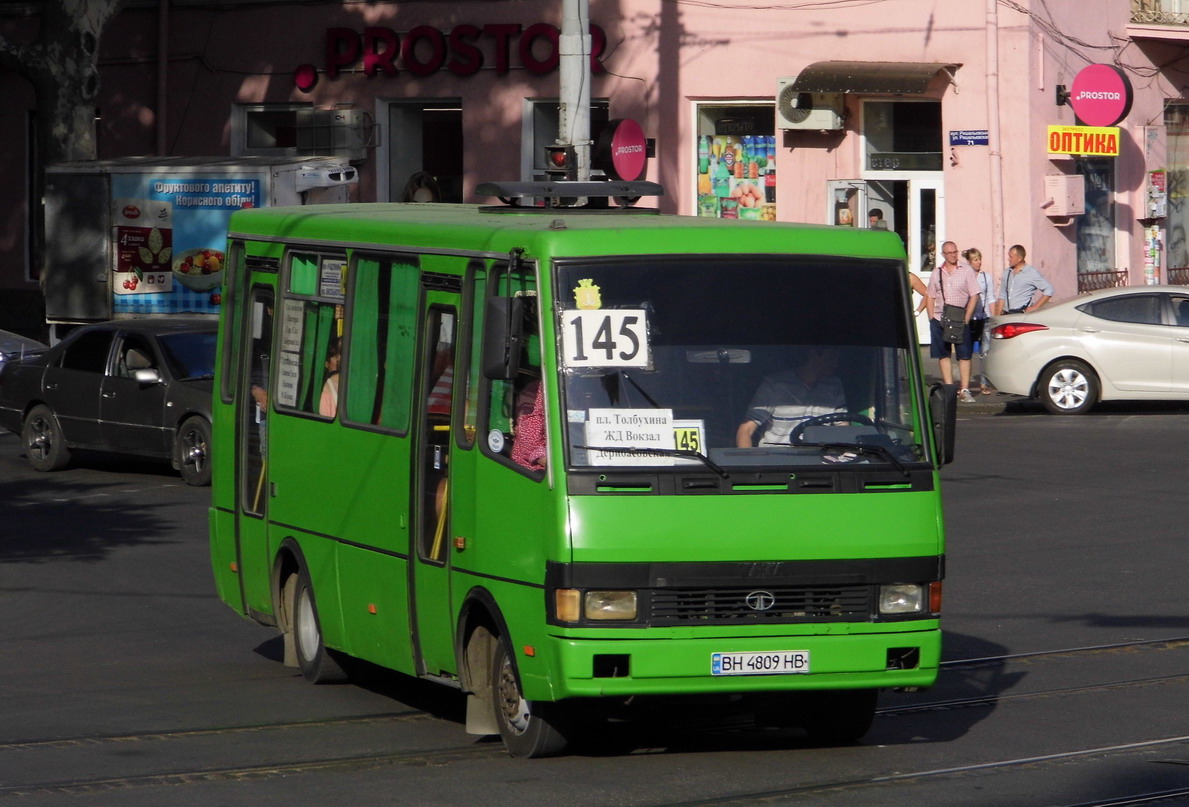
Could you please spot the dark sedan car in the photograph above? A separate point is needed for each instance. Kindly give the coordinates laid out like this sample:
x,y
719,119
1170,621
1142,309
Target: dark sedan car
x,y
140,387
14,346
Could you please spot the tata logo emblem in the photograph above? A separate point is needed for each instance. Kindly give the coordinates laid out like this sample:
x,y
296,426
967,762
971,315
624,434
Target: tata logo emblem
x,y
760,600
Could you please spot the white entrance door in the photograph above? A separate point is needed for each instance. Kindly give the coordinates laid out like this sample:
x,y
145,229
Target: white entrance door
x,y
912,206
926,230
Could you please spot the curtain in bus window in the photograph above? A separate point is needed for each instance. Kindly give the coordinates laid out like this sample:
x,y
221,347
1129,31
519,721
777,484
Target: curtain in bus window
x,y
364,368
319,332
382,336
399,355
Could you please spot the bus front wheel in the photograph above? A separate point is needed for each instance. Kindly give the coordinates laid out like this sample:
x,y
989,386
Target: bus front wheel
x,y
528,728
317,662
839,718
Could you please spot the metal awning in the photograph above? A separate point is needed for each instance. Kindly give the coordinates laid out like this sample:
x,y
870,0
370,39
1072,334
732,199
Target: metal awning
x,y
876,78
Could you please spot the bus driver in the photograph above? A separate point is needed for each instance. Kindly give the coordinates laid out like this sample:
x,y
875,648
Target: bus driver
x,y
784,399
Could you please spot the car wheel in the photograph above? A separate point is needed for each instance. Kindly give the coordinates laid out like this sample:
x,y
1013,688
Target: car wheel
x,y
1068,387
192,451
42,438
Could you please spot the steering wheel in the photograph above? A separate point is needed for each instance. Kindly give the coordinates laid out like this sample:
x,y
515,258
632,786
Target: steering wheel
x,y
822,420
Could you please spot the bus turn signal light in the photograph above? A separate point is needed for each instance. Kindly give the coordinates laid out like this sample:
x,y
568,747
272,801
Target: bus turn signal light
x,y
568,603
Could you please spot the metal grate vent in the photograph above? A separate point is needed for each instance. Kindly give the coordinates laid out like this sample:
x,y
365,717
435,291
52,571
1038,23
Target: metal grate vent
x,y
773,605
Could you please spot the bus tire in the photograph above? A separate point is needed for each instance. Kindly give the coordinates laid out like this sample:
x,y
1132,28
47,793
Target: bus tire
x,y
43,441
192,451
839,718
529,729
318,663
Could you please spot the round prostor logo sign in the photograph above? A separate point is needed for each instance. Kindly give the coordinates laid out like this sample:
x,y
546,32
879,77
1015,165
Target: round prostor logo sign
x,y
1101,95
622,150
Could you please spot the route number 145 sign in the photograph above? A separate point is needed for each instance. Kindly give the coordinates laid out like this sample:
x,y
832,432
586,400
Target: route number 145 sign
x,y
605,338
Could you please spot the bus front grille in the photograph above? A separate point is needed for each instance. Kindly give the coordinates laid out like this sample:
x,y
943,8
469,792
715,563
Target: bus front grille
x,y
771,605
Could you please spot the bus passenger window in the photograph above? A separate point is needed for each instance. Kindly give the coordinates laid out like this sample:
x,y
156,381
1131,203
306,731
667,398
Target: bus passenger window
x,y
310,363
380,355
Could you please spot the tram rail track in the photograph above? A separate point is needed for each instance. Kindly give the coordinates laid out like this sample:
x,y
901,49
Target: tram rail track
x,y
477,750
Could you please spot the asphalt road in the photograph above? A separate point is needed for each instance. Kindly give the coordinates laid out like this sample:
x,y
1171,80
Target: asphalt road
x,y
1066,677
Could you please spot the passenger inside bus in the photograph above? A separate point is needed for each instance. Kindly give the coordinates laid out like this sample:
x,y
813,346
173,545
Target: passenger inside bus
x,y
528,444
328,403
784,399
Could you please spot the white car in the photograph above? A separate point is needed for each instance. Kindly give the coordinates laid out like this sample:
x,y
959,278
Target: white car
x,y
1129,343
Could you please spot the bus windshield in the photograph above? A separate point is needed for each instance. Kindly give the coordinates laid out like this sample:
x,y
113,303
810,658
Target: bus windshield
x,y
736,361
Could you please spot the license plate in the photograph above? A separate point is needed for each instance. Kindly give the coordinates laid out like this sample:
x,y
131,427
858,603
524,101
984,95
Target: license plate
x,y
773,662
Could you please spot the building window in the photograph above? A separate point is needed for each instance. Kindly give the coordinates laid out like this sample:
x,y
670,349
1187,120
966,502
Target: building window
x,y
1176,118
1096,227
902,135
265,129
293,130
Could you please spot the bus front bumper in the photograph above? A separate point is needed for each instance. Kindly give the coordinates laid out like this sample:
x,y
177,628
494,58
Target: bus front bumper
x,y
621,668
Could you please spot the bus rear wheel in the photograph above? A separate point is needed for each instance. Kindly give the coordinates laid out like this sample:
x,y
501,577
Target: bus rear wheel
x,y
528,728
318,663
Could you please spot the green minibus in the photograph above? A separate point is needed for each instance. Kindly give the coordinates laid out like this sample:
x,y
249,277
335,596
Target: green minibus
x,y
567,461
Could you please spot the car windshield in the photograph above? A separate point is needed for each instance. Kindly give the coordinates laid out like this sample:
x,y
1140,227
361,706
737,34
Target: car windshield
x,y
738,361
190,355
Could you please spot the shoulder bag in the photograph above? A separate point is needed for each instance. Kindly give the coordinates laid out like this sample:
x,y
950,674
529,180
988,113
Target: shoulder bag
x,y
953,317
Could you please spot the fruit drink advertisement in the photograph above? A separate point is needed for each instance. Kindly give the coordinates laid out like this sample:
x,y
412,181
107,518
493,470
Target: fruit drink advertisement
x,y
737,176
169,235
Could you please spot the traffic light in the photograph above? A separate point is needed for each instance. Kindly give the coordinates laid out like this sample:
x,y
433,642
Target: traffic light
x,y
561,162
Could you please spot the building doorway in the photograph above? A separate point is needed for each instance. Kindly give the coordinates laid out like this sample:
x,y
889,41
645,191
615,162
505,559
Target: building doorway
x,y
423,136
913,208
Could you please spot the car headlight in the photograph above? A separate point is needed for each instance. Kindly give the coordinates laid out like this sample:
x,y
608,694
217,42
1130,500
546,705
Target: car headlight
x,y
902,598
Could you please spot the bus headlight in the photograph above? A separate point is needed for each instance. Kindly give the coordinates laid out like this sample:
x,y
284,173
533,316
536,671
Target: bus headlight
x,y
610,605
902,598
574,605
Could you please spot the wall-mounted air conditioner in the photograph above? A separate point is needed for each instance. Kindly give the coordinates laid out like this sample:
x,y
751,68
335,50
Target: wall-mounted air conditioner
x,y
804,110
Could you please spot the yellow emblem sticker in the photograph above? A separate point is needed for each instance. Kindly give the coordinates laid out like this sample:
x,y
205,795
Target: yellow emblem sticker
x,y
586,295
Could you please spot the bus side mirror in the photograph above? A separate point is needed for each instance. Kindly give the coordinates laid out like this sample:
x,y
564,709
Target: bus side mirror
x,y
503,337
943,417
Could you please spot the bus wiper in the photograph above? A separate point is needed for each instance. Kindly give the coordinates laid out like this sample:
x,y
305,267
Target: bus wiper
x,y
663,452
883,452
651,401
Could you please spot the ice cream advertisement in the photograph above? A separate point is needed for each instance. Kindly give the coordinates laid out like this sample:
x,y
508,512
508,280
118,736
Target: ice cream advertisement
x,y
170,233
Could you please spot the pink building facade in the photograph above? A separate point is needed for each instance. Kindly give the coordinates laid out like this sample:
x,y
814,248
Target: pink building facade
x,y
938,114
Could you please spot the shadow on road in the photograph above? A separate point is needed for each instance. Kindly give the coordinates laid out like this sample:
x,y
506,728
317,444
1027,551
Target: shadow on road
x,y
76,520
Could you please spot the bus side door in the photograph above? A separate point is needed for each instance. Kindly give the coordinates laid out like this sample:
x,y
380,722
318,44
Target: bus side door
x,y
430,595
252,409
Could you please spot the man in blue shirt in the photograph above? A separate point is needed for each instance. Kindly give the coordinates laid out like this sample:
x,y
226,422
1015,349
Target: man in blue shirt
x,y
1021,282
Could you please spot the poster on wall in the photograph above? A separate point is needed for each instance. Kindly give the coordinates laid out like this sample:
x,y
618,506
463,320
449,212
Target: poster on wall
x,y
169,237
737,176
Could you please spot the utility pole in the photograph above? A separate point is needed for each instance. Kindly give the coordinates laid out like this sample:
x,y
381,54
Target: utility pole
x,y
574,92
